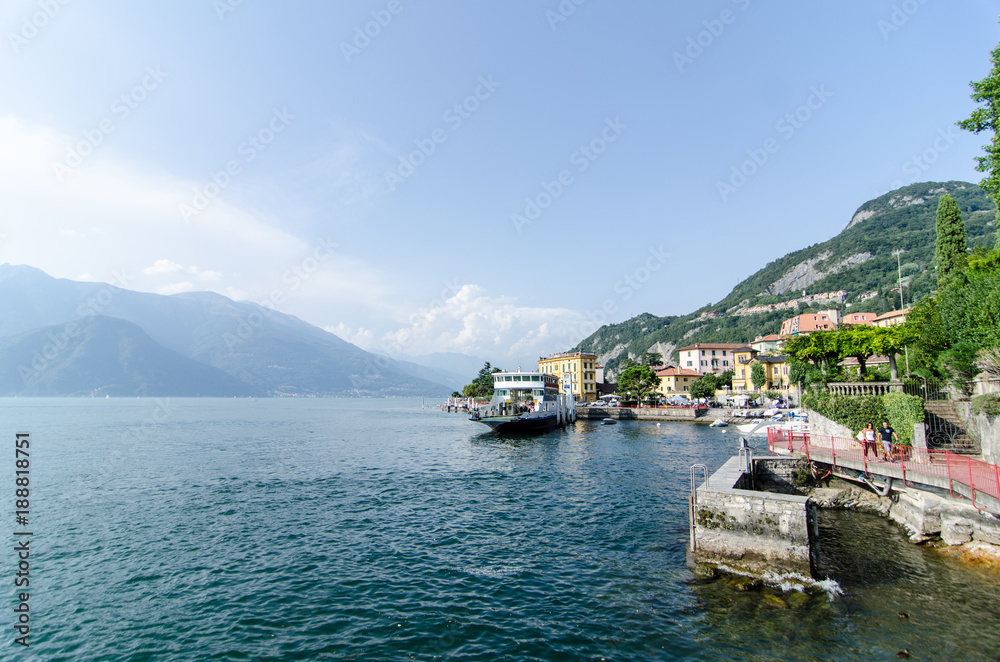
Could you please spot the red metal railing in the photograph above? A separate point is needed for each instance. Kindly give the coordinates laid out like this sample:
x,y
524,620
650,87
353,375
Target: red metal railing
x,y
977,475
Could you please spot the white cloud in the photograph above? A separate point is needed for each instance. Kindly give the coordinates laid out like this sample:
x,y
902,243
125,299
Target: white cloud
x,y
163,267
175,288
470,322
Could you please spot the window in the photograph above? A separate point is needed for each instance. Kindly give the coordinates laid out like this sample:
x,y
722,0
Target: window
x,y
713,352
723,352
689,363
725,363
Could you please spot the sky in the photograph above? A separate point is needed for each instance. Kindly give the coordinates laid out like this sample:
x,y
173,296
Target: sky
x,y
489,178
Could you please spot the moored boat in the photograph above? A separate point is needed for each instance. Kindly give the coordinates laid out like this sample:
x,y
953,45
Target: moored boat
x,y
525,403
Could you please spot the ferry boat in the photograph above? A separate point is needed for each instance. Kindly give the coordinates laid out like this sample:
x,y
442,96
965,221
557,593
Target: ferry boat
x,y
526,403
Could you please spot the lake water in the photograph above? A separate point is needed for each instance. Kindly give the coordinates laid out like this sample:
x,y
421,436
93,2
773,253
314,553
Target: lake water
x,y
286,529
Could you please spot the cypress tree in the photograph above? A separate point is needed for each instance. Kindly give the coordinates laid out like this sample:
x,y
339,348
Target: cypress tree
x,y
951,249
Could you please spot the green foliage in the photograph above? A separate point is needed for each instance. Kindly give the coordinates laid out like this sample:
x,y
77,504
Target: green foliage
x,y
482,385
856,340
820,348
983,261
903,412
758,375
959,363
456,394
798,371
703,387
971,312
986,117
855,412
950,251
637,383
725,379
653,359
988,404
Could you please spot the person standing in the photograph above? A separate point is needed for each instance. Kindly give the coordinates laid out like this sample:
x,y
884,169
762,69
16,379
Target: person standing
x,y
887,434
870,440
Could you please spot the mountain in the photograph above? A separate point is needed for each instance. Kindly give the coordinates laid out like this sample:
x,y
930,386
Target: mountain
x,y
268,352
104,356
860,260
460,367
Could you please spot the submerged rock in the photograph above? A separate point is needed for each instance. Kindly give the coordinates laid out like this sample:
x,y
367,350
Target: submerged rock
x,y
775,602
705,571
741,583
797,599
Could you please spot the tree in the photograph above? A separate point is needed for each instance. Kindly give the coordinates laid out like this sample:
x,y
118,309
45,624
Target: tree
x,y
819,347
653,359
758,375
951,249
725,380
889,341
857,340
986,117
703,387
638,382
482,385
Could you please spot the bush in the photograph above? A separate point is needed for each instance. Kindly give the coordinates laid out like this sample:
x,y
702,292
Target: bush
x,y
855,412
988,404
903,411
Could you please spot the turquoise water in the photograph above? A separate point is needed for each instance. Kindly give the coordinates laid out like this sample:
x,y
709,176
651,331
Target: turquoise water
x,y
206,529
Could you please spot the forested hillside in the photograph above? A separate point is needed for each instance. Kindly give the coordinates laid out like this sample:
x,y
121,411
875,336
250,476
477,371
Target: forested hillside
x,y
861,259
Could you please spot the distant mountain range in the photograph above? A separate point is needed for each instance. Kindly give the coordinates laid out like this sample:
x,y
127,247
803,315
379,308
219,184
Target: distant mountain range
x,y
63,337
861,260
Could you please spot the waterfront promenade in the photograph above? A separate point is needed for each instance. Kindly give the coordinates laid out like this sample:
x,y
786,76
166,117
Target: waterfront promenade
x,y
961,475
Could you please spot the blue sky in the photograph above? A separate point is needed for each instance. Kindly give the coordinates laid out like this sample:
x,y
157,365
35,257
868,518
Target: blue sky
x,y
485,178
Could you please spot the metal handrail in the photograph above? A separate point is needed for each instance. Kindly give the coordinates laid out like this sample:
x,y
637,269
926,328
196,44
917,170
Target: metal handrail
x,y
694,488
976,475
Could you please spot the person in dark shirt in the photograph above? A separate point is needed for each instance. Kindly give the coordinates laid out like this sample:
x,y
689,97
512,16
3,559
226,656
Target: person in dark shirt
x,y
887,434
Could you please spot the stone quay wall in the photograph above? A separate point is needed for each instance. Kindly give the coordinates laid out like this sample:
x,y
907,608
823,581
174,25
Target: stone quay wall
x,y
755,531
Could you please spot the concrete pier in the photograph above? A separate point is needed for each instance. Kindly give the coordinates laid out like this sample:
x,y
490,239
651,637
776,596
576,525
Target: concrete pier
x,y
753,531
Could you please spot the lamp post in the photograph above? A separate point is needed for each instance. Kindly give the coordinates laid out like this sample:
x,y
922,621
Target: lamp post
x,y
902,305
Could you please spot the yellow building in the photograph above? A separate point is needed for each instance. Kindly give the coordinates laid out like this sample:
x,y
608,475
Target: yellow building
x,y
776,371
676,381
742,358
577,373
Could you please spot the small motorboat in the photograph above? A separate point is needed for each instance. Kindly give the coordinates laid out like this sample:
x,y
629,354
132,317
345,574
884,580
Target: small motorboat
x,y
609,421
718,423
